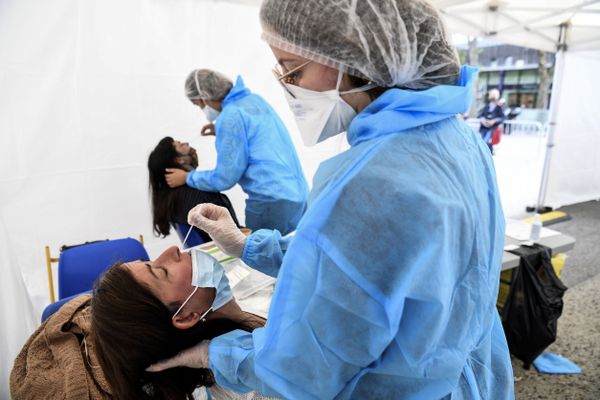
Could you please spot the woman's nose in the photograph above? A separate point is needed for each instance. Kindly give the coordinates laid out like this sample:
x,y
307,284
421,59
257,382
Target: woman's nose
x,y
174,252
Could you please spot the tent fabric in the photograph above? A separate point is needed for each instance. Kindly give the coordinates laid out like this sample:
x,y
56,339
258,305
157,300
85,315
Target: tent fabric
x,y
18,318
574,175
527,23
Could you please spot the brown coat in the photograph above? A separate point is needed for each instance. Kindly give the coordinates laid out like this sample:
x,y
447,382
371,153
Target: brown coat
x,y
58,361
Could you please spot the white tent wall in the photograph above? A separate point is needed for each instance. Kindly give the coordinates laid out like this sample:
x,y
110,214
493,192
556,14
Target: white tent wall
x,y
575,168
17,316
88,88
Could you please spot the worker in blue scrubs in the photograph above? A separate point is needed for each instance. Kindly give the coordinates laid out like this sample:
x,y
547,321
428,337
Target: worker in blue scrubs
x,y
388,288
254,149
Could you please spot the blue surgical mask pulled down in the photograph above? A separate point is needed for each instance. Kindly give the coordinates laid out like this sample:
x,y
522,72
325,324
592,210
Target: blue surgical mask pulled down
x,y
208,273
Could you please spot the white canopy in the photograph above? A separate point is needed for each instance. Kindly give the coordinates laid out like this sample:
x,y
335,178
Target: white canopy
x,y
528,23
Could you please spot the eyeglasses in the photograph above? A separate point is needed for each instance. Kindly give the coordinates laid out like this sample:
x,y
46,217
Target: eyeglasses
x,y
288,78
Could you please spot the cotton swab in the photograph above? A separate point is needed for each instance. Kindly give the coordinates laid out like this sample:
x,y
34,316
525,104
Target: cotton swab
x,y
188,235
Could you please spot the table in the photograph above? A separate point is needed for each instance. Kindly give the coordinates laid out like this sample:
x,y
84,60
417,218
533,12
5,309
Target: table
x,y
558,243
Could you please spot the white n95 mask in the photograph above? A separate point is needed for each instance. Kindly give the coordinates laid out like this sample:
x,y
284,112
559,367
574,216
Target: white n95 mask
x,y
208,273
321,115
210,113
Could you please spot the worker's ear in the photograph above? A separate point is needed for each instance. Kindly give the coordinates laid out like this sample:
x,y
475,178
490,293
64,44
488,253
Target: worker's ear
x,y
186,319
215,104
180,160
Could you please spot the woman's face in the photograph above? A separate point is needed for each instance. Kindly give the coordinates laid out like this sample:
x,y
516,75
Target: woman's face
x,y
182,148
313,76
169,278
319,78
214,104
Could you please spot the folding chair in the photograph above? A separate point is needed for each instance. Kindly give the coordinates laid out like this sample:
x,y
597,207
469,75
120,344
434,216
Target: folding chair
x,y
80,265
54,307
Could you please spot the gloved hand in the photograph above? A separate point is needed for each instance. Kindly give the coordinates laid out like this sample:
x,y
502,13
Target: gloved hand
x,y
217,222
194,357
208,130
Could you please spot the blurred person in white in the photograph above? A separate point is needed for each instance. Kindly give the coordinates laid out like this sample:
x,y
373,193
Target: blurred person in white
x,y
388,288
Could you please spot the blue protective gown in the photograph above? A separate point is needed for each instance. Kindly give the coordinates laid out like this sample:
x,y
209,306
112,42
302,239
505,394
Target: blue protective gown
x,y
388,288
254,148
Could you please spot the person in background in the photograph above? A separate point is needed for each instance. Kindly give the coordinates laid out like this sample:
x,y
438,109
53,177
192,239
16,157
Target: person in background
x,y
388,288
171,205
490,117
254,149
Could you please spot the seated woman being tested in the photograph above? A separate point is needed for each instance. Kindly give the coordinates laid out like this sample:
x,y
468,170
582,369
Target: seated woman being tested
x,y
141,312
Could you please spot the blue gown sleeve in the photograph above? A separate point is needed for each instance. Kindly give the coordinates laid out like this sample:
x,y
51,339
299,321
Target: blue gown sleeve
x,y
264,251
232,155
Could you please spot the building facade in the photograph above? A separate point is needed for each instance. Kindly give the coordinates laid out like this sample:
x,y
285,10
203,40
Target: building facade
x,y
513,70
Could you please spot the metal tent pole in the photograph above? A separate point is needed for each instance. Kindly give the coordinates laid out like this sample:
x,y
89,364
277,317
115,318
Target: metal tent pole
x,y
556,90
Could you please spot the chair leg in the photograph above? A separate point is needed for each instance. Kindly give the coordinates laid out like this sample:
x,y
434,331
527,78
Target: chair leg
x,y
49,268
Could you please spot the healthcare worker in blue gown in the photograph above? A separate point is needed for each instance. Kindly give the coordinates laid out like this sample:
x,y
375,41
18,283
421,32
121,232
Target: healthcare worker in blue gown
x,y
254,149
388,288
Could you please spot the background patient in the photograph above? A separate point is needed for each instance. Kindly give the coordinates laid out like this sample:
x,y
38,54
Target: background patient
x,y
132,309
171,205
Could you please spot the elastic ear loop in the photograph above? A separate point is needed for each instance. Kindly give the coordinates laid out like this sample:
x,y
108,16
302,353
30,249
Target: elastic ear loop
x,y
363,88
185,302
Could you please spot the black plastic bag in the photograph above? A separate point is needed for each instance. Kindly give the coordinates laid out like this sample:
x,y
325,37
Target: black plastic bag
x,y
534,304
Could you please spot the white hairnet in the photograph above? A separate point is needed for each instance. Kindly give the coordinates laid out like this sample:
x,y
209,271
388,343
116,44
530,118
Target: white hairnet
x,y
389,42
205,84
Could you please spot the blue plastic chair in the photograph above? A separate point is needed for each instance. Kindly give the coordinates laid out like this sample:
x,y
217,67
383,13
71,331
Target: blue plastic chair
x,y
80,266
193,240
54,307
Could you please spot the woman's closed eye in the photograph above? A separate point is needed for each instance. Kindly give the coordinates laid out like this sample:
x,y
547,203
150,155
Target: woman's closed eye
x,y
152,270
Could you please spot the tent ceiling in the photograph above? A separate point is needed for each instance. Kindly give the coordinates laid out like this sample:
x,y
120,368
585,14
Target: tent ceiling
x,y
528,23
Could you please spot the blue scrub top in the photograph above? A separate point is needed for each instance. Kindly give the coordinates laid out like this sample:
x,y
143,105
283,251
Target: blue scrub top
x,y
255,150
388,289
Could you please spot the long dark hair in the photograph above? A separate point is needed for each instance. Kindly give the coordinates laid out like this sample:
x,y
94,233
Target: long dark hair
x,y
162,157
133,329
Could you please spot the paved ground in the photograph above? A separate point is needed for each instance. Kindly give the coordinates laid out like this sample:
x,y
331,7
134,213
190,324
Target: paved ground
x,y
579,341
579,326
